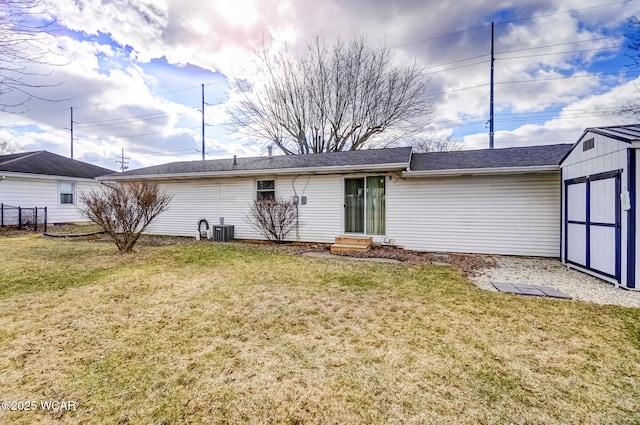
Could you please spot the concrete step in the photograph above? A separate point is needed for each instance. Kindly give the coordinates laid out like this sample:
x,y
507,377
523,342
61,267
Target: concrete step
x,y
336,247
354,240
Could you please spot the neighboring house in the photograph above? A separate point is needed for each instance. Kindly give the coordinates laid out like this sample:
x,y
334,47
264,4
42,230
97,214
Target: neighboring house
x,y
501,201
599,218
44,179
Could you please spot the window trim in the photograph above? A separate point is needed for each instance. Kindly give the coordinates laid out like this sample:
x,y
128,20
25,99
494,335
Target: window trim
x,y
72,193
259,191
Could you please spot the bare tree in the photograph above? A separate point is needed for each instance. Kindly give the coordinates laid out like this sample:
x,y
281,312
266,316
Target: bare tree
x,y
344,97
23,49
8,146
632,108
633,40
439,144
124,210
274,219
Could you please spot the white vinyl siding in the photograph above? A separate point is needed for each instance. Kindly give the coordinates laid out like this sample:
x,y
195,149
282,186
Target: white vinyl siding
x,y
33,191
320,218
236,198
191,201
511,215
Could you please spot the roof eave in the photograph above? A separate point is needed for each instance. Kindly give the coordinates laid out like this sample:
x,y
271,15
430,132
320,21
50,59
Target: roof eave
x,y
268,171
15,174
481,171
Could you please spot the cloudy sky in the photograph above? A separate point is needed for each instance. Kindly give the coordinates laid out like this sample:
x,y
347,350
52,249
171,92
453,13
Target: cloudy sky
x,y
132,69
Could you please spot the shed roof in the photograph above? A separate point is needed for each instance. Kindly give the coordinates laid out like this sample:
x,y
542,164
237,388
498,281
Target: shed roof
x,y
623,133
50,164
526,156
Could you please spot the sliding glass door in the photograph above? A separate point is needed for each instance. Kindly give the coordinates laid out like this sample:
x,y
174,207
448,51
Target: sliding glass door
x,y
354,205
364,205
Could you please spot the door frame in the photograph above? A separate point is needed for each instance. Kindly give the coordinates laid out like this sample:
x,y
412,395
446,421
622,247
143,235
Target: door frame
x,y
363,176
616,174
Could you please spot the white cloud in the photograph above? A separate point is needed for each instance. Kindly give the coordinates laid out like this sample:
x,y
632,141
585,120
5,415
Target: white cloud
x,y
594,111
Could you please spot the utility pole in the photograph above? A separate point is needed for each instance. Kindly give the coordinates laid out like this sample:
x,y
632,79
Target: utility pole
x,y
123,161
491,95
72,132
203,122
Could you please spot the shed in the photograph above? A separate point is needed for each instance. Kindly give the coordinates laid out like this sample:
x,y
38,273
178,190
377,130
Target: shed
x,y
599,220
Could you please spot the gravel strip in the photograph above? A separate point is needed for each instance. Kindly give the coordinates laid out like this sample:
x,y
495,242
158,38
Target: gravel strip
x,y
552,273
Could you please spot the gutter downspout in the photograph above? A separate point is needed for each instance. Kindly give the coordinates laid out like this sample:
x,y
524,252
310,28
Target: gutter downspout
x,y
218,184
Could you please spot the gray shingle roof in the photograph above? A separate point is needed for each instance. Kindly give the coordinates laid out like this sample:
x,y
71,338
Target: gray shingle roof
x,y
623,133
355,159
526,156
47,163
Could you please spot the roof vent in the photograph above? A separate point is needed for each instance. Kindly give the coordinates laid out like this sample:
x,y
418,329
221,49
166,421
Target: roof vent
x,y
588,144
235,160
270,148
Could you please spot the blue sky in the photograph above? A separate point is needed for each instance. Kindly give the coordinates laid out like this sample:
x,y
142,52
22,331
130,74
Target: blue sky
x,y
133,69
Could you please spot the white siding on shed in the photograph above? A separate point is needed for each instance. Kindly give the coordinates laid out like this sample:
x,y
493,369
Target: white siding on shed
x,y
607,155
508,214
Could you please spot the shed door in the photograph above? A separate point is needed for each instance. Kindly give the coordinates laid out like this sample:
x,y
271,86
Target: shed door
x,y
592,224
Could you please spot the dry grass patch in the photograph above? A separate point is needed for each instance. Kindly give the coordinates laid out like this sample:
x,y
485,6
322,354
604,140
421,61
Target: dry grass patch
x,y
207,333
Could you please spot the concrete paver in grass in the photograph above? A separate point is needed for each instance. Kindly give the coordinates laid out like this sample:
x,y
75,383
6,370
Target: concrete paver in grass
x,y
533,290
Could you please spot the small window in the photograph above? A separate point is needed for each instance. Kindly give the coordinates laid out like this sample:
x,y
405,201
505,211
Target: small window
x,y
266,190
588,144
67,192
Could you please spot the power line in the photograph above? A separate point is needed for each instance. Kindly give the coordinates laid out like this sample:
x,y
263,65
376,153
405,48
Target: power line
x,y
126,118
155,94
455,67
558,53
562,13
439,37
591,40
505,23
536,80
520,57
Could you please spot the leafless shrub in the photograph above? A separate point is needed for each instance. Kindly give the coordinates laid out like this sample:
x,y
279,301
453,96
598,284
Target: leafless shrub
x,y
274,219
124,210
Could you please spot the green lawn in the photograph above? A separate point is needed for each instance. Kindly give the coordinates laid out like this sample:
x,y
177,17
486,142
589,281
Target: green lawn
x,y
213,333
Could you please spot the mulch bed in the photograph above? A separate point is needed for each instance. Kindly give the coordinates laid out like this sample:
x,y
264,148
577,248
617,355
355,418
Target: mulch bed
x,y
470,264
